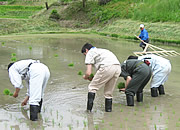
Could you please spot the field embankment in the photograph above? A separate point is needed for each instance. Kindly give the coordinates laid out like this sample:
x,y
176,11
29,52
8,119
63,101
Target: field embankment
x,y
118,18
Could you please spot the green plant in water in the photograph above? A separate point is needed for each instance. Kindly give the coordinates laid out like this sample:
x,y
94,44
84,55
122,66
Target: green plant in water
x,y
121,85
161,114
91,75
96,127
155,127
3,43
6,91
13,54
155,108
85,123
71,64
80,73
30,48
10,94
110,123
55,55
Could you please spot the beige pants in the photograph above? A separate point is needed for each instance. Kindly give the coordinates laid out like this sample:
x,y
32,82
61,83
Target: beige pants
x,y
105,77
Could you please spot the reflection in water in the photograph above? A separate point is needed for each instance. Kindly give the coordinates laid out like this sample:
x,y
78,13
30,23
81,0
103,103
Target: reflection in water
x,y
66,94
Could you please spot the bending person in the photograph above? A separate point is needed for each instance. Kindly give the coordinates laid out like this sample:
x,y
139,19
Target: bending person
x,y
36,76
137,74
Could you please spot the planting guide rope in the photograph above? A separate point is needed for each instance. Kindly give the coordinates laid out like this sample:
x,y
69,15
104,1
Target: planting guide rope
x,y
155,50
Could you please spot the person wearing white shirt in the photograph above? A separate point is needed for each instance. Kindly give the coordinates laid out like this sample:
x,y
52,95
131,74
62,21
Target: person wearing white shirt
x,y
36,76
107,72
161,69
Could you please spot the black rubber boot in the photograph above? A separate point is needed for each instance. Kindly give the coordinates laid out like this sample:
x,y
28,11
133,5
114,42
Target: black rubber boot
x,y
34,109
91,97
40,105
139,96
161,90
130,100
108,105
154,92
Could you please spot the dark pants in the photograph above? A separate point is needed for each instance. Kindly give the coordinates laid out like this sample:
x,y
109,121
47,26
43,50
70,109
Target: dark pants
x,y
140,78
144,45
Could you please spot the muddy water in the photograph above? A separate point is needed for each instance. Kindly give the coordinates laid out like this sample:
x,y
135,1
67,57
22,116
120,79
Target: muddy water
x,y
66,94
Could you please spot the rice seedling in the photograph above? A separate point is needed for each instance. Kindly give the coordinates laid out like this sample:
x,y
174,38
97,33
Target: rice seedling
x,y
155,127
3,43
121,110
57,113
155,108
13,59
13,54
145,124
80,73
46,119
10,94
135,113
102,121
174,112
53,122
71,64
85,123
161,114
6,91
70,127
121,85
126,119
56,55
179,119
30,48
110,124
59,124
96,127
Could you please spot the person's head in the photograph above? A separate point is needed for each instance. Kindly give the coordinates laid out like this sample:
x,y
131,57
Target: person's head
x,y
86,48
132,57
10,64
141,26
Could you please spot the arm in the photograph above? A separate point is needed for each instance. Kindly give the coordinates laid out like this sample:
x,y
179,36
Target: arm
x,y
16,92
88,71
25,101
128,79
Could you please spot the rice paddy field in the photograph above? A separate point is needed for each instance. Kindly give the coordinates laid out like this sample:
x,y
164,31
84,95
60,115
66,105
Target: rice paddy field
x,y
64,105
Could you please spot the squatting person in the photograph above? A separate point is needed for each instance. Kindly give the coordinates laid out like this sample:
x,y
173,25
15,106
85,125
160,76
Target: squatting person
x,y
107,72
36,76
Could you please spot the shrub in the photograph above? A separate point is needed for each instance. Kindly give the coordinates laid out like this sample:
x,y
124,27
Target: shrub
x,y
54,15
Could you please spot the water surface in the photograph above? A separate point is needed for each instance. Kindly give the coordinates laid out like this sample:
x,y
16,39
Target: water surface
x,y
66,94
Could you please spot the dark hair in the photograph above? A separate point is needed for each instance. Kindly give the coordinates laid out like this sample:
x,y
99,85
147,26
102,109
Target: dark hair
x,y
86,46
132,57
10,64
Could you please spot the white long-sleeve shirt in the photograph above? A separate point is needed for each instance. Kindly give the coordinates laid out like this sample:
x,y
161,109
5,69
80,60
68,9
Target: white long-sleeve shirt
x,y
18,72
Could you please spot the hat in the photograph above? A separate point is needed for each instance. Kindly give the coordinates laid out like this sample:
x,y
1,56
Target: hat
x,y
141,25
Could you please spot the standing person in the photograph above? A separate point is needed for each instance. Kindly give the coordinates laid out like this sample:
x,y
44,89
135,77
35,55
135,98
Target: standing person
x,y
36,76
137,74
161,69
107,72
143,36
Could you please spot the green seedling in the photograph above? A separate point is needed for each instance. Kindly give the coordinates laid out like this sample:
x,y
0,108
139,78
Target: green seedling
x,y
155,108
13,59
6,91
56,55
13,54
30,47
80,73
10,94
161,114
91,75
2,43
71,64
121,85
96,127
110,123
155,127
85,123
102,121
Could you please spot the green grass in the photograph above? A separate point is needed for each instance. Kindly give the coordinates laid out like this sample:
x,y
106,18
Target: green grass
x,y
21,12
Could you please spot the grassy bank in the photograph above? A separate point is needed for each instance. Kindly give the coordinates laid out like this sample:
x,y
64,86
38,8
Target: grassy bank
x,y
119,18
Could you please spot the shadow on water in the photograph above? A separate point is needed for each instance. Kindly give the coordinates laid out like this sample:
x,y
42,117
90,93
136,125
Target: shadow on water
x,y
66,94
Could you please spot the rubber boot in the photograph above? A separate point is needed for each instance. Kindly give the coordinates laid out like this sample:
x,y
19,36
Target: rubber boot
x,y
91,97
40,105
154,92
139,96
108,105
130,100
34,109
161,90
